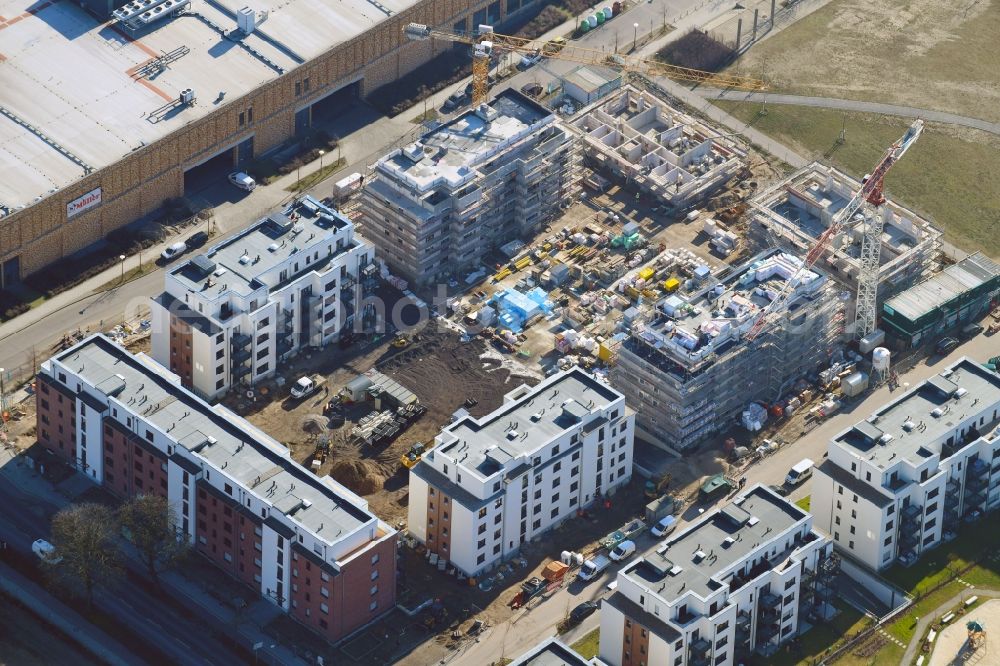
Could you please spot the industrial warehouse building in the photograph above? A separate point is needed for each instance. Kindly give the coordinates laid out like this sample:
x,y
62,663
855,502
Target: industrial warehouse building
x,y
306,544
101,122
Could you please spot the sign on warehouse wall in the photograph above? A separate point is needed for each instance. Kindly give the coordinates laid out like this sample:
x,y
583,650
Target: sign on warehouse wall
x,y
80,204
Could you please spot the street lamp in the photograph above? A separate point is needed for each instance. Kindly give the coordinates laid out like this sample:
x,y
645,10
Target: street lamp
x,y
321,154
3,400
635,35
121,258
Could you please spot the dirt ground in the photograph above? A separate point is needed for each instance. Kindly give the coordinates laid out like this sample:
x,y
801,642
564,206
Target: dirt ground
x,y
26,640
437,366
922,53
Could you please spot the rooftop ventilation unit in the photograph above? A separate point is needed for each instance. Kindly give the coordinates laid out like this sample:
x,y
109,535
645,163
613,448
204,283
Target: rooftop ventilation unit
x,y
753,521
512,435
937,412
699,555
414,152
187,95
960,392
273,247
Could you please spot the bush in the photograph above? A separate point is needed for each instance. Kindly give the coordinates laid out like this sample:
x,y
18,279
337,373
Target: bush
x,y
697,50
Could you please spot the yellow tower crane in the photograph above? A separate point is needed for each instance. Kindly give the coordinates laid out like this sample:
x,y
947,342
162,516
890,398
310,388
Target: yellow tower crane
x,y
484,42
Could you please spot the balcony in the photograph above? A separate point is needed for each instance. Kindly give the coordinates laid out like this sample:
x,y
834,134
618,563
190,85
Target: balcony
x,y
241,355
240,370
767,631
241,341
770,600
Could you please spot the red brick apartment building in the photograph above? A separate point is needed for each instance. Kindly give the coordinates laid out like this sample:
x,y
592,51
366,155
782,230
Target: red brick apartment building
x,y
304,543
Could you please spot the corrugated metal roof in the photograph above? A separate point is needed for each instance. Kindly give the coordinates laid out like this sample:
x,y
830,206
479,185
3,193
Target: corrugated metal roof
x,y
950,283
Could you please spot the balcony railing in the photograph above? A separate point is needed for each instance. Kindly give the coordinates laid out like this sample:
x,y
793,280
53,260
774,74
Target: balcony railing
x,y
241,340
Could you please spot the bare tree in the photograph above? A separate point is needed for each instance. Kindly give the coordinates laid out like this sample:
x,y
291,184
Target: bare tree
x,y
87,549
151,525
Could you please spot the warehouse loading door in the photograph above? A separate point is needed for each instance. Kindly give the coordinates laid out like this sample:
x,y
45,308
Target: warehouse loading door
x,y
11,274
328,108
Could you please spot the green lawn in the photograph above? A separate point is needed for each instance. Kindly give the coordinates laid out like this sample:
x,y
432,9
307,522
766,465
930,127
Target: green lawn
x,y
822,638
588,646
951,175
316,176
804,503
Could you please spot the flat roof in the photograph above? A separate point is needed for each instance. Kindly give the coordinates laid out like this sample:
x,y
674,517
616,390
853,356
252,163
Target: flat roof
x,y
449,154
695,560
268,243
590,78
89,89
689,326
550,652
973,271
906,428
522,426
242,453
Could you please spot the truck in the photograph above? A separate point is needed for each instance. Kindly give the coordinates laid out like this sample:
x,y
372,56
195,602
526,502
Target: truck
x,y
306,386
593,567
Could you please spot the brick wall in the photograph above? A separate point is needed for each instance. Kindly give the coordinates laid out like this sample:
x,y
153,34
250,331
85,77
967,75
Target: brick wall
x,y
56,418
335,604
132,466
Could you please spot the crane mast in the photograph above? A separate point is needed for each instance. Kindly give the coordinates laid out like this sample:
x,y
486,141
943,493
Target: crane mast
x,y
485,41
871,193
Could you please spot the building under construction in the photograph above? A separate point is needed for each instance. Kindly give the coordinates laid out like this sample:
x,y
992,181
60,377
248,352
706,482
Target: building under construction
x,y
437,207
795,212
642,140
686,366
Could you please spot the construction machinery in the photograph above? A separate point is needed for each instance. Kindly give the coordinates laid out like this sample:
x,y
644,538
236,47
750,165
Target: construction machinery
x,y
655,488
870,193
485,43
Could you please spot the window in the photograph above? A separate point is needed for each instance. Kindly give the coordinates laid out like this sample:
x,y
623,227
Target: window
x,y
261,369
324,608
263,337
373,605
482,512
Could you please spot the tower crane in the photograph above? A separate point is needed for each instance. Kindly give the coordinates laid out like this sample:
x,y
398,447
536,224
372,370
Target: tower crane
x,y
485,41
871,193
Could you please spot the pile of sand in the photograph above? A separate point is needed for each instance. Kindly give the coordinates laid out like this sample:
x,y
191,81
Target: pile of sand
x,y
314,424
361,476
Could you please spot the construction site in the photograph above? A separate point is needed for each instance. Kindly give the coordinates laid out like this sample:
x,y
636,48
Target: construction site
x,y
795,212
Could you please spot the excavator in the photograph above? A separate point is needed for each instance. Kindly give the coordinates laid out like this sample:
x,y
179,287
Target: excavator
x,y
485,42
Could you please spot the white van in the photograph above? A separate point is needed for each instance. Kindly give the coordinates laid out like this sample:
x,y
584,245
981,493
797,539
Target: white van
x,y
802,471
623,551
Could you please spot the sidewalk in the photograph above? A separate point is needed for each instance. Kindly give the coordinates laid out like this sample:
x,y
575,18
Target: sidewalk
x,y
45,606
25,479
927,620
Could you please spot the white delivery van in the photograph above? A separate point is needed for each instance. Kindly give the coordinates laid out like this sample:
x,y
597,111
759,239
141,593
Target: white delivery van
x,y
800,472
45,551
593,567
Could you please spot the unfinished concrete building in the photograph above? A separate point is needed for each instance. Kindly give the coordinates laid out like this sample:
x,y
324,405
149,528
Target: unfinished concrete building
x,y
438,206
793,213
639,138
686,367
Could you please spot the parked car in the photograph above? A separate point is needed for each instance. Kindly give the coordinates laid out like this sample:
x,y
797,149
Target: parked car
x,y
971,331
665,526
455,100
532,89
242,181
530,60
582,611
174,251
946,345
622,551
45,551
196,240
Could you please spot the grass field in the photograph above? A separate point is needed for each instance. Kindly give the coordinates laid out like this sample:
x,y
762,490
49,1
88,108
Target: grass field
x,y
951,175
588,646
923,53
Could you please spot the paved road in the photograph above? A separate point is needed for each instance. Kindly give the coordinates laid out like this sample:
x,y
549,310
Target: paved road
x,y
851,105
27,518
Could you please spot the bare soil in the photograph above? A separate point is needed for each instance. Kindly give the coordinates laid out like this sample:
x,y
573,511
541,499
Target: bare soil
x,y
440,369
921,53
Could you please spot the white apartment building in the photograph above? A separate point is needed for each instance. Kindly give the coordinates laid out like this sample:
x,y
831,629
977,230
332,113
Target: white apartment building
x,y
737,581
307,544
492,483
899,482
553,652
230,316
